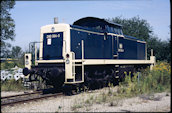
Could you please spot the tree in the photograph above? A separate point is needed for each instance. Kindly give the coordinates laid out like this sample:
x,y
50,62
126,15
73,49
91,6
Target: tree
x,y
135,27
141,29
7,26
161,49
16,52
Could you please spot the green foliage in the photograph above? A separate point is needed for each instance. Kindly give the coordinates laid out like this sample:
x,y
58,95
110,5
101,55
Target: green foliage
x,y
135,26
16,52
12,85
7,26
114,102
156,80
76,105
161,49
11,64
7,65
141,29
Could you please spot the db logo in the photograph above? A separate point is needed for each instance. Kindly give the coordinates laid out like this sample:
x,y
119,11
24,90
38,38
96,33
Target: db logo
x,y
52,29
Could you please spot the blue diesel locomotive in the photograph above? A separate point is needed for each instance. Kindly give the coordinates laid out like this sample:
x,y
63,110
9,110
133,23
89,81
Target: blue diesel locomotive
x,y
92,52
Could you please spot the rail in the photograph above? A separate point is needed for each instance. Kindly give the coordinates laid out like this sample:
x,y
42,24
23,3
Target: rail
x,y
21,98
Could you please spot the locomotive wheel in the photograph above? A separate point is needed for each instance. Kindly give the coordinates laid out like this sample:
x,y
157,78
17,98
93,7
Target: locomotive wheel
x,y
100,76
67,89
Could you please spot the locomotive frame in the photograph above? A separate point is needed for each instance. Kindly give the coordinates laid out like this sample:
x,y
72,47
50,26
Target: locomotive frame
x,y
75,62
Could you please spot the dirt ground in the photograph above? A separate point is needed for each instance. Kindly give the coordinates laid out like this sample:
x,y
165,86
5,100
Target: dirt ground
x,y
158,102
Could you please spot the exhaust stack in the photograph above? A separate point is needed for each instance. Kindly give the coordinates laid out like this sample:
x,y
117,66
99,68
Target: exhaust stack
x,y
55,20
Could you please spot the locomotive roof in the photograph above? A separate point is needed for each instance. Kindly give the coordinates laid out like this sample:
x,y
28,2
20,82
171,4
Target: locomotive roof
x,y
93,21
131,37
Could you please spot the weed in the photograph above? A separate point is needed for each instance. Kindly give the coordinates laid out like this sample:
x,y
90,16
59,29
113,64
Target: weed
x,y
59,107
87,109
111,104
12,85
110,85
144,82
86,89
76,106
104,97
11,64
88,101
77,90
167,94
156,80
115,101
92,97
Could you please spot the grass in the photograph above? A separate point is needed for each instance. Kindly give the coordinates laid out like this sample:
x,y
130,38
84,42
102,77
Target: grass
x,y
77,105
12,85
100,98
115,102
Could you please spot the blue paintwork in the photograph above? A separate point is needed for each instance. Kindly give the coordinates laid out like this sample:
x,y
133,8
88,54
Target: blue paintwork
x,y
96,46
141,53
54,50
99,24
86,28
115,46
93,21
130,49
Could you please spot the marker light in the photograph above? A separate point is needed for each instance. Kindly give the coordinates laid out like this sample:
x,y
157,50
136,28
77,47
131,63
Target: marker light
x,y
67,55
27,57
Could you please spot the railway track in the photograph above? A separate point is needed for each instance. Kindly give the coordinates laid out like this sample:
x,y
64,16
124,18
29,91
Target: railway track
x,y
27,97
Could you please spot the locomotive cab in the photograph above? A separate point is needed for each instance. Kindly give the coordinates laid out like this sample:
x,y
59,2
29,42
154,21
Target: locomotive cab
x,y
55,56
54,39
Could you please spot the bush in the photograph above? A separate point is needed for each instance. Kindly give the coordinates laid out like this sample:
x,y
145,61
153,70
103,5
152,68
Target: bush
x,y
12,85
146,81
7,65
156,80
10,64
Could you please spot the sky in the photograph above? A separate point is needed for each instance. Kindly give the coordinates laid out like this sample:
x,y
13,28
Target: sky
x,y
29,16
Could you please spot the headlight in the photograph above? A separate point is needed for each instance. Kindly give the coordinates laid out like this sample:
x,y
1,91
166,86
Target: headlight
x,y
67,61
27,62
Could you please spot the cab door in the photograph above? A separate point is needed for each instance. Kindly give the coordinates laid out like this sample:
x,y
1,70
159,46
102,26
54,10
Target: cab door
x,y
115,47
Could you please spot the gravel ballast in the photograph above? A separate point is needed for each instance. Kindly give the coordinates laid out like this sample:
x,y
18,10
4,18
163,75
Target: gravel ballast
x,y
9,93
